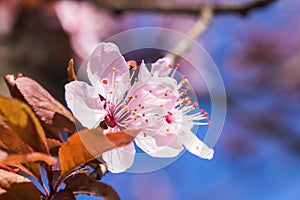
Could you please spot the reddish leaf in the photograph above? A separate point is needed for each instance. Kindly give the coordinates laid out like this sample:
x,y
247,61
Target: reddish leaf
x,y
3,155
87,145
52,143
16,187
54,146
82,184
51,131
49,110
20,118
10,81
64,195
17,159
9,140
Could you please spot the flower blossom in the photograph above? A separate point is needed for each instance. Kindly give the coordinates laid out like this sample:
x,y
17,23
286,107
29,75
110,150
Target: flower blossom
x,y
176,131
116,100
121,97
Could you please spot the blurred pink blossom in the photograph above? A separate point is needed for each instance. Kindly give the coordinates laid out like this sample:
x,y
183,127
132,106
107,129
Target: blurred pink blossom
x,y
85,23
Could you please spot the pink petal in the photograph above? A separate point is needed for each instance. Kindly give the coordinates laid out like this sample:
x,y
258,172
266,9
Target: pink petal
x,y
194,145
160,67
120,159
84,103
152,126
157,92
107,63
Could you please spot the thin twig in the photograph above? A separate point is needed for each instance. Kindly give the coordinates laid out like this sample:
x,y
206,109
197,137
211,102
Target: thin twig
x,y
45,189
181,8
193,33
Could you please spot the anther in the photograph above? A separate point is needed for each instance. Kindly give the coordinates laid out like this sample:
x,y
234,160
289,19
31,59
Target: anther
x,y
132,64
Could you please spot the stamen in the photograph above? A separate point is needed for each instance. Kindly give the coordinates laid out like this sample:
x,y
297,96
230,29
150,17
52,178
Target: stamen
x,y
105,82
174,71
132,64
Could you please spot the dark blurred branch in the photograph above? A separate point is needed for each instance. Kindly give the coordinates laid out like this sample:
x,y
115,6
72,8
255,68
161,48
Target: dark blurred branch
x,y
119,6
194,32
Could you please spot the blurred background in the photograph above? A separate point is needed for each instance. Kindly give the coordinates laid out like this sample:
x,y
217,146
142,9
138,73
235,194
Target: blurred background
x,y
258,55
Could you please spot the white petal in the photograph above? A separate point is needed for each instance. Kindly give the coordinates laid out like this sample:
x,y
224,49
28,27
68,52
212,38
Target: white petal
x,y
84,103
144,74
160,68
100,66
120,159
153,146
194,145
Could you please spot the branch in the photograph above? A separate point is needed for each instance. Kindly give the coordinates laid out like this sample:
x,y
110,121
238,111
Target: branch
x,y
118,6
193,33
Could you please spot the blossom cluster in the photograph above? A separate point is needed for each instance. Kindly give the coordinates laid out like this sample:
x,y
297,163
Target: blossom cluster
x,y
121,95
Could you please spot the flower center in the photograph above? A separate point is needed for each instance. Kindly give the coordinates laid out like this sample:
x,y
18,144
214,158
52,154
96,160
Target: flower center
x,y
110,121
169,118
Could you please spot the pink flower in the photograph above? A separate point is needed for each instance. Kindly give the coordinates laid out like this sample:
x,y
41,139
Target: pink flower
x,y
117,99
176,130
